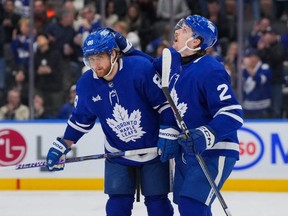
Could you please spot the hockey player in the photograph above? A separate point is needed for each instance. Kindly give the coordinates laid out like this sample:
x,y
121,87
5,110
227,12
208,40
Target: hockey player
x,y
201,90
124,94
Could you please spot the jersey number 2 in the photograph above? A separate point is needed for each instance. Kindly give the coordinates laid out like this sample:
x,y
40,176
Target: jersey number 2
x,y
223,88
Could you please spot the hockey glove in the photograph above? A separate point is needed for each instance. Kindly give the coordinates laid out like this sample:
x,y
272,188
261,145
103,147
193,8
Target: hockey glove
x,y
125,45
57,153
167,145
200,139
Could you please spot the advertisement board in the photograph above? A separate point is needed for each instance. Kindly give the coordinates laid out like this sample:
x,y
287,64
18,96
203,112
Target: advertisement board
x,y
263,163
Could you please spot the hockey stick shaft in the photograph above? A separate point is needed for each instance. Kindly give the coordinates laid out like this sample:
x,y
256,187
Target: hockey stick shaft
x,y
166,67
84,158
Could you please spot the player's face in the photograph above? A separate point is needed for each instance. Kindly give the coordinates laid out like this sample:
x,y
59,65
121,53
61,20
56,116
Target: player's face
x,y
100,63
181,35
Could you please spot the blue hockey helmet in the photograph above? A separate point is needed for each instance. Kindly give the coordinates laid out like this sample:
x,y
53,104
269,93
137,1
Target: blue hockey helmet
x,y
99,41
204,29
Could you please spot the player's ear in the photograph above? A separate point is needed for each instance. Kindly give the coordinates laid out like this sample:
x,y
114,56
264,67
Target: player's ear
x,y
114,55
196,42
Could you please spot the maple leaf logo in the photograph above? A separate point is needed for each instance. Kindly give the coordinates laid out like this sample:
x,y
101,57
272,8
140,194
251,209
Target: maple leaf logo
x,y
181,107
126,127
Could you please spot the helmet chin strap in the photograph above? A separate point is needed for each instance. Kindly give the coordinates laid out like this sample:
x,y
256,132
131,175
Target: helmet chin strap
x,y
111,68
187,47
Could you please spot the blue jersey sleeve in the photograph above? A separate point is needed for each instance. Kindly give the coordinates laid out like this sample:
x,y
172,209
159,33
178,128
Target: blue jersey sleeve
x,y
226,111
82,119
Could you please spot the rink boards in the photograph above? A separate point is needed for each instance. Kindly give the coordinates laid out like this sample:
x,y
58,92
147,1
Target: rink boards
x,y
263,164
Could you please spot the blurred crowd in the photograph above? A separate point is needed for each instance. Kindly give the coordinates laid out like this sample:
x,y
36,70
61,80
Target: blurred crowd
x,y
60,27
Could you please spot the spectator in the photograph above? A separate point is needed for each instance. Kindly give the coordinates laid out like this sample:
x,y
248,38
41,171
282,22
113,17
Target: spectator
x,y
232,53
48,77
61,36
61,33
134,18
230,63
180,9
66,110
22,8
272,52
224,24
20,44
256,86
9,21
39,108
90,22
2,61
203,5
40,16
111,16
231,70
162,45
19,81
14,109
2,67
132,36
150,27
258,31
151,47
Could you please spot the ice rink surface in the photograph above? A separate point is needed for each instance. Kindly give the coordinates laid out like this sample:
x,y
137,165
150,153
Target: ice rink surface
x,y
92,203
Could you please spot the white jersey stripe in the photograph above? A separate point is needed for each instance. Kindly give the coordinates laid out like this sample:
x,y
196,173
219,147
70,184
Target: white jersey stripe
x,y
232,107
225,146
136,158
221,163
76,127
236,117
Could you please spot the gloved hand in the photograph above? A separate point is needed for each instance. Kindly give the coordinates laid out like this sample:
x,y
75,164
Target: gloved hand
x,y
167,145
200,139
125,45
57,152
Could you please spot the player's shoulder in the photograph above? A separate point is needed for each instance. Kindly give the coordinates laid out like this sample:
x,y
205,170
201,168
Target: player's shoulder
x,y
212,61
137,60
210,70
208,64
86,76
139,66
84,81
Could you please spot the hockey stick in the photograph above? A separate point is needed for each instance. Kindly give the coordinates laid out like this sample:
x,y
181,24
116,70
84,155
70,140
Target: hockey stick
x,y
84,158
166,67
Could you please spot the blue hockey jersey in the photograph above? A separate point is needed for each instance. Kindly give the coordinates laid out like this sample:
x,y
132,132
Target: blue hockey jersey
x,y
256,89
127,107
203,95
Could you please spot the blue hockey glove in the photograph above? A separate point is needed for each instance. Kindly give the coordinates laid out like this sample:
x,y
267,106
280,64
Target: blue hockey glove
x,y
125,45
167,145
200,139
57,153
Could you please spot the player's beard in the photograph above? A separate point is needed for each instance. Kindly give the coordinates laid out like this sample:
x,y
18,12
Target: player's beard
x,y
101,72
